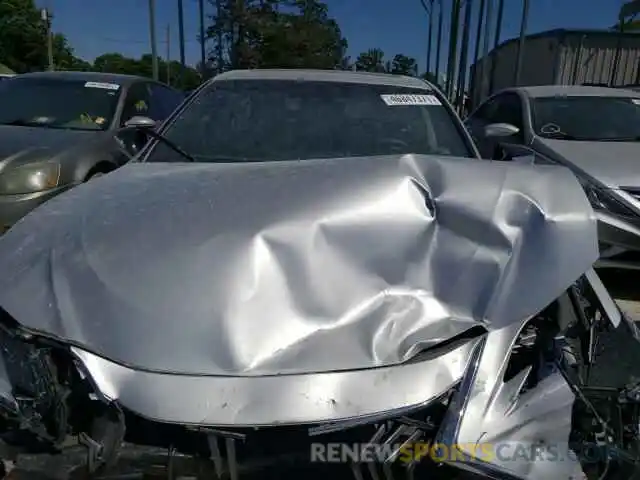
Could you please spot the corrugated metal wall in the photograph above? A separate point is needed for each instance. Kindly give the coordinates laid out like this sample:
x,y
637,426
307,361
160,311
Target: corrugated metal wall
x,y
537,67
592,59
571,59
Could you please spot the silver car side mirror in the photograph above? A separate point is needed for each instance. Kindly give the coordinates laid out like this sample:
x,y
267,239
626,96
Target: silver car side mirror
x,y
500,130
140,122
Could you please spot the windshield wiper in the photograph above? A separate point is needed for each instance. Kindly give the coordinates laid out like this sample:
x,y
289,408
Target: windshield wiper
x,y
21,122
619,139
156,136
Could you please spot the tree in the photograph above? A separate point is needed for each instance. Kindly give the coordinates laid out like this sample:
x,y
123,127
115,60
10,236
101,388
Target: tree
x,y
64,58
274,33
174,73
23,44
371,61
403,65
23,40
627,16
116,63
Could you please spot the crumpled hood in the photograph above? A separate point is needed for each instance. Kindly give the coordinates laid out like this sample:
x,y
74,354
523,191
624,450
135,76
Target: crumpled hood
x,y
272,268
614,164
20,145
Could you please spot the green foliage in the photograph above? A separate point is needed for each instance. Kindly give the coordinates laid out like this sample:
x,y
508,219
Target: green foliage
x,y
274,33
22,36
23,48
241,34
373,61
173,73
403,65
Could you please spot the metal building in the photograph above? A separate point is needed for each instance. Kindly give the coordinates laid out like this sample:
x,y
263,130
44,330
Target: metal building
x,y
560,56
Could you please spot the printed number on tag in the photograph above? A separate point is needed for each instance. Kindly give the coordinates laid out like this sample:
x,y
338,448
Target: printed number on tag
x,y
392,100
104,86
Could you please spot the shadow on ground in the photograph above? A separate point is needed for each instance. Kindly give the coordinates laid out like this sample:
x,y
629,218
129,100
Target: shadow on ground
x,y
623,285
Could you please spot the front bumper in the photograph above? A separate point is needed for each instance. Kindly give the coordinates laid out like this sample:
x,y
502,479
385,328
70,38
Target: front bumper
x,y
279,400
14,207
251,425
619,240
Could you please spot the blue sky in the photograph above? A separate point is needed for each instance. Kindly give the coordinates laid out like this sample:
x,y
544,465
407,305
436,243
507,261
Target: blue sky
x,y
395,26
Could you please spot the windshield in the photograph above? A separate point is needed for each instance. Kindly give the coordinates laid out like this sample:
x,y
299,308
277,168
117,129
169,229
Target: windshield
x,y
58,103
260,120
587,118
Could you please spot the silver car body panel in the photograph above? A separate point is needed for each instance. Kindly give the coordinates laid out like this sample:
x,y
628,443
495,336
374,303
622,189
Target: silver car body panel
x,y
611,166
614,164
312,291
487,410
282,399
295,267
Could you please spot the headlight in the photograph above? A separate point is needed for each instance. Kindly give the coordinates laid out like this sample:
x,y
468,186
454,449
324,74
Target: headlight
x,y
600,199
34,177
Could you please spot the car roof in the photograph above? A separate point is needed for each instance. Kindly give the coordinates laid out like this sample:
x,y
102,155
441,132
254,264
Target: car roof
x,y
120,79
573,90
342,76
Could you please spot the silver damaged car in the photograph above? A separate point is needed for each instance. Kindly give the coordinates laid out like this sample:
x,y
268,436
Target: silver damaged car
x,y
311,275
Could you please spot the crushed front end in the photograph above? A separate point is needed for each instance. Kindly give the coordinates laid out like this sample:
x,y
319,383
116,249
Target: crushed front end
x,y
67,412
330,315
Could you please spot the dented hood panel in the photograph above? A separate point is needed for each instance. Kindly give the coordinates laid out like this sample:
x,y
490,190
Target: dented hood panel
x,y
311,266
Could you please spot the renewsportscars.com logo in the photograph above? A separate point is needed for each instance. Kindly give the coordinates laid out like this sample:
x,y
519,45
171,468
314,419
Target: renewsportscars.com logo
x,y
486,452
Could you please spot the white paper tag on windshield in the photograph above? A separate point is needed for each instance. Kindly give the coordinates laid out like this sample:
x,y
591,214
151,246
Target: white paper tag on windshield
x,y
104,86
393,100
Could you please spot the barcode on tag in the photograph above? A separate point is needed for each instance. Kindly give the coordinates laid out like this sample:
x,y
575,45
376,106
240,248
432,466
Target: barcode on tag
x,y
392,100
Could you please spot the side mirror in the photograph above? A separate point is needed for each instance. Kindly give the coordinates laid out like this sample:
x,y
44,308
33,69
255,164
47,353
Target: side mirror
x,y
140,122
500,130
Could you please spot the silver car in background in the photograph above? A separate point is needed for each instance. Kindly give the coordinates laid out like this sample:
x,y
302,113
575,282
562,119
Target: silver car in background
x,y
594,131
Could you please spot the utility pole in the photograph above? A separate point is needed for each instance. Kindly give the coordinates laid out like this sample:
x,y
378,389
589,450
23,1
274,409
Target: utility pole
x,y
429,11
46,19
477,70
485,48
219,34
181,31
523,32
168,54
203,58
496,42
152,38
429,41
464,54
439,47
496,39
453,48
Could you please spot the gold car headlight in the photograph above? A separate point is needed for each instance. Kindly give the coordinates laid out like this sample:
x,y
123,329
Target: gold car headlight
x,y
30,178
